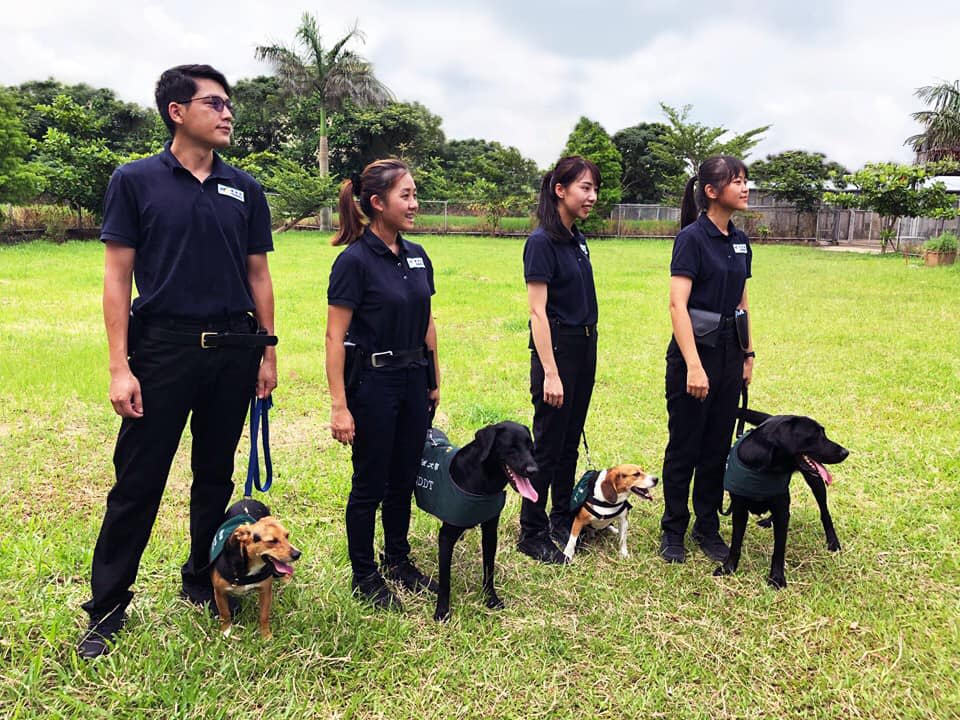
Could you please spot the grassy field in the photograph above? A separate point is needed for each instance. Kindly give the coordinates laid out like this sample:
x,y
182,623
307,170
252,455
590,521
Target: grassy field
x,y
867,345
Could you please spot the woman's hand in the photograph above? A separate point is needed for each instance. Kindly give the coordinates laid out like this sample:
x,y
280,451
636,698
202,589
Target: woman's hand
x,y
552,390
747,370
698,384
433,397
341,425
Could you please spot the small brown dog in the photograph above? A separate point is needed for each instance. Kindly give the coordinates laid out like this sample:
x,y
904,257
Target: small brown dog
x,y
249,550
606,501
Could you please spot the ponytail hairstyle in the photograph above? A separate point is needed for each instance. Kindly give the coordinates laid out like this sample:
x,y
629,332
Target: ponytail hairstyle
x,y
565,173
376,179
717,171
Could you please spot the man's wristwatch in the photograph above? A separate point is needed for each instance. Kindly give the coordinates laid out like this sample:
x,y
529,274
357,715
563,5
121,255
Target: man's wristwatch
x,y
750,354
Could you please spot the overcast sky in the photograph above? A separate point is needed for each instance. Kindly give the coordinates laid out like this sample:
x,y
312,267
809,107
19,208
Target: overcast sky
x,y
831,76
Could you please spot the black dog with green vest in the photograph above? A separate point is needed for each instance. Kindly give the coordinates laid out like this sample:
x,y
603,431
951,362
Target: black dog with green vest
x,y
465,487
757,477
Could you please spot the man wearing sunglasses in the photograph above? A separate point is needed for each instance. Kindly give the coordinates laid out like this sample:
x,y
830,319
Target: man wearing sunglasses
x,y
197,342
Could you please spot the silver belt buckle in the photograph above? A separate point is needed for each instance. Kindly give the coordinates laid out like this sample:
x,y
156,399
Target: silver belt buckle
x,y
374,362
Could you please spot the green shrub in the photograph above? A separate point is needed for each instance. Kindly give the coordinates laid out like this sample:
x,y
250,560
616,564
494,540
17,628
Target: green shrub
x,y
944,242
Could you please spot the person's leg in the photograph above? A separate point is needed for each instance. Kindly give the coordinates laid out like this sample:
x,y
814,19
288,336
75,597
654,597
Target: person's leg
x,y
219,412
144,451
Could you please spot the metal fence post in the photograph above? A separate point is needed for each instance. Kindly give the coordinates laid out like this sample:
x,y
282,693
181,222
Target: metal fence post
x,y
445,216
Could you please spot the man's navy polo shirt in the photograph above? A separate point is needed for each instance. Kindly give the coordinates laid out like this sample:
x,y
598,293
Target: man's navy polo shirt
x,y
564,266
389,294
718,264
191,239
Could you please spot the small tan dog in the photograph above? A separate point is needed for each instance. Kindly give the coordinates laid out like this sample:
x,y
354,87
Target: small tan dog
x,y
247,555
605,501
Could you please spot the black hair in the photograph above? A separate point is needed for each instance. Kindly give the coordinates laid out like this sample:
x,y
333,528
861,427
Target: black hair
x,y
376,179
718,172
179,83
566,172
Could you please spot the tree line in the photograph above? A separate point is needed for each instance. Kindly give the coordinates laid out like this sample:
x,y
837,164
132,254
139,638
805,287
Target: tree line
x,y
323,115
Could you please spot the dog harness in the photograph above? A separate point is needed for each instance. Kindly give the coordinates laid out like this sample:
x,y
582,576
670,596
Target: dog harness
x,y
220,542
738,479
583,497
437,493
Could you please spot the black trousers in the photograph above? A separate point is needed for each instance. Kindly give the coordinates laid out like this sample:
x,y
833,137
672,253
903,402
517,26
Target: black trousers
x,y
391,415
213,388
700,435
556,431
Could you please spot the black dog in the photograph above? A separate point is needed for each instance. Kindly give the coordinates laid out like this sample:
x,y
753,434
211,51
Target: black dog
x,y
758,476
465,487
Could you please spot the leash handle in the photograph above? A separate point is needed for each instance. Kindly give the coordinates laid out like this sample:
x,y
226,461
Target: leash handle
x,y
741,423
259,409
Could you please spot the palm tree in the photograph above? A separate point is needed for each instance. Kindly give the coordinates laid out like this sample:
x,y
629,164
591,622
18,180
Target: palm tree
x,y
940,139
330,77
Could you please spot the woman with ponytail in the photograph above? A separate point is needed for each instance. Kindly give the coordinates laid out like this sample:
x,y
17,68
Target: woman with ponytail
x,y
708,361
563,344
382,369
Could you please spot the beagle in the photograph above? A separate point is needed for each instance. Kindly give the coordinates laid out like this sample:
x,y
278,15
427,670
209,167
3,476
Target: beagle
x,y
602,499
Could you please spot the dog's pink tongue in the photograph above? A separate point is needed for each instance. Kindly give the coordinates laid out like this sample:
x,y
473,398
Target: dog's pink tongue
x,y
282,568
525,488
824,473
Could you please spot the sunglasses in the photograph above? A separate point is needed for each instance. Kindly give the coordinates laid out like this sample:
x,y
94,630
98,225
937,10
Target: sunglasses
x,y
215,102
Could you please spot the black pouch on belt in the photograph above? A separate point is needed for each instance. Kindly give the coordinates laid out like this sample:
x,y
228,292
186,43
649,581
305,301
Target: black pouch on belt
x,y
741,320
706,326
352,363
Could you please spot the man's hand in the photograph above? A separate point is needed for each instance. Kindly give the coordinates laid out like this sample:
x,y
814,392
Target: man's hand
x,y
267,376
125,394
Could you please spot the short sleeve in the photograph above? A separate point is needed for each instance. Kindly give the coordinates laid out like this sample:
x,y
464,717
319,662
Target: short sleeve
x,y
429,264
539,259
749,255
346,281
260,235
121,216
686,256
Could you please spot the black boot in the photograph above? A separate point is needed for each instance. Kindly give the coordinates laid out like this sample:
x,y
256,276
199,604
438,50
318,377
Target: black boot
x,y
100,634
374,590
408,575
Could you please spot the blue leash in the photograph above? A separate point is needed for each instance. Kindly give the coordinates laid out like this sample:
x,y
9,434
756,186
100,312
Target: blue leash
x,y
259,408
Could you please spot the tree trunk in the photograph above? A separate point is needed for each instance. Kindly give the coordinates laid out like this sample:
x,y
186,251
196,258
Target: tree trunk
x,y
323,161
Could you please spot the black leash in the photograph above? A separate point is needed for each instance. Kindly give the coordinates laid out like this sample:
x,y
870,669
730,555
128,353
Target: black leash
x,y
586,448
741,425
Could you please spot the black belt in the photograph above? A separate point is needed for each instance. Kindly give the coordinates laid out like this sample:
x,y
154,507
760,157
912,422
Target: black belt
x,y
208,340
393,358
578,330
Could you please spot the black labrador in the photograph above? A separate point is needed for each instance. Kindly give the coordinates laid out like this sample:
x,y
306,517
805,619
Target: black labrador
x,y
758,475
465,487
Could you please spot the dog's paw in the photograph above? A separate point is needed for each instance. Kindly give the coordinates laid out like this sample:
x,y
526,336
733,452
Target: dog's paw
x,y
225,631
441,614
266,635
495,603
833,545
722,570
777,582
624,553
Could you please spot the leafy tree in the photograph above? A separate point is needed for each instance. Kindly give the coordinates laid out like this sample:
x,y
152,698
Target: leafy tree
x,y
590,140
328,76
644,173
693,142
19,180
294,193
797,177
940,139
895,191
76,160
468,161
261,117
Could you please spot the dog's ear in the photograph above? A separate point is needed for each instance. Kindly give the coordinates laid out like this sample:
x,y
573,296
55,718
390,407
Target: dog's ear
x,y
608,487
242,535
484,439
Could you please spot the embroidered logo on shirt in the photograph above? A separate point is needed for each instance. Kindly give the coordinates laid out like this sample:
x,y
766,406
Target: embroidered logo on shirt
x,y
740,248
583,249
416,262
230,192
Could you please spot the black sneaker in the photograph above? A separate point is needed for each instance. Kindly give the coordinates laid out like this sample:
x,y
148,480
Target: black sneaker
x,y
671,549
374,590
408,575
100,634
712,545
542,549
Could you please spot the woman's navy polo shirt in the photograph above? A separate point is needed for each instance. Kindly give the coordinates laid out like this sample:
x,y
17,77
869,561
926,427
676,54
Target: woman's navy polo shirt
x,y
191,239
718,264
565,267
389,294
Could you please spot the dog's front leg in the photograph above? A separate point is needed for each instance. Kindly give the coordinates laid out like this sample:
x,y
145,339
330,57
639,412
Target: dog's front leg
x,y
819,490
740,514
449,534
266,600
781,521
223,606
575,529
488,541
623,534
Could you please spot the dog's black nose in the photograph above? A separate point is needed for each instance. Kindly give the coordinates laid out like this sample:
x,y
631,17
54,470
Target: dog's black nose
x,y
844,454
654,479
295,554
530,469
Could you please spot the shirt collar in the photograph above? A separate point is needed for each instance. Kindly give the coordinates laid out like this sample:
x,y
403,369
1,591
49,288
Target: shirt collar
x,y
713,231
219,169
373,241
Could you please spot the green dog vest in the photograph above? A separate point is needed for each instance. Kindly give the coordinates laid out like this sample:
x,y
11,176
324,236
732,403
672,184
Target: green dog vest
x,y
741,480
437,494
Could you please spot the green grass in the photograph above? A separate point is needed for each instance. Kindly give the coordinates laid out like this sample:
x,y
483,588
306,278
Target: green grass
x,y
868,345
